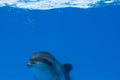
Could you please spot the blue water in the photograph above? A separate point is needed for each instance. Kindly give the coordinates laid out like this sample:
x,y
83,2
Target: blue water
x,y
89,39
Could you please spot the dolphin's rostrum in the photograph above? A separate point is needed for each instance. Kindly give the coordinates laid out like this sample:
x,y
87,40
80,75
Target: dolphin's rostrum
x,y
47,67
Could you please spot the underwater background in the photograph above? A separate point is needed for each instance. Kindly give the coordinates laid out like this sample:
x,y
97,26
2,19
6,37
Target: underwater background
x,y
89,39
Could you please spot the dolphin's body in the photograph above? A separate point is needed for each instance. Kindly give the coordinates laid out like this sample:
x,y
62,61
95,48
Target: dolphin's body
x,y
46,67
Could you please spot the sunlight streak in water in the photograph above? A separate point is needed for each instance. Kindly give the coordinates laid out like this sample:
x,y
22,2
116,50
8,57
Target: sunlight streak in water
x,y
51,4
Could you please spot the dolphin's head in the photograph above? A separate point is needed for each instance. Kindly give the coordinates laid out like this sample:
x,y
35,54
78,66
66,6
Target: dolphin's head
x,y
46,67
43,66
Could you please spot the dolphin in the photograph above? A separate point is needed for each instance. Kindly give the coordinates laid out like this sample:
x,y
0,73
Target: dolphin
x,y
46,67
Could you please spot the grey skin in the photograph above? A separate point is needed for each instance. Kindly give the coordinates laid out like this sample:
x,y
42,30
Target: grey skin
x,y
47,67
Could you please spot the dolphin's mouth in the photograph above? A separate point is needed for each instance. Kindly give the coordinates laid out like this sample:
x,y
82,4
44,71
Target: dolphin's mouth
x,y
30,63
39,61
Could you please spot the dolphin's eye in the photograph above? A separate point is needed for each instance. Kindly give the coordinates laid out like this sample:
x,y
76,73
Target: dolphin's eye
x,y
50,63
47,62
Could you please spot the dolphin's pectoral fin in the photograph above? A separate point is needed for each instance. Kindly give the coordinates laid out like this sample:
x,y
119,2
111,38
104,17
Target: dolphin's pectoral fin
x,y
68,67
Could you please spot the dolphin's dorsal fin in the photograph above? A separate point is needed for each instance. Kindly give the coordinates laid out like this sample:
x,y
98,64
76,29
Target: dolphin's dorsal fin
x,y
68,67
